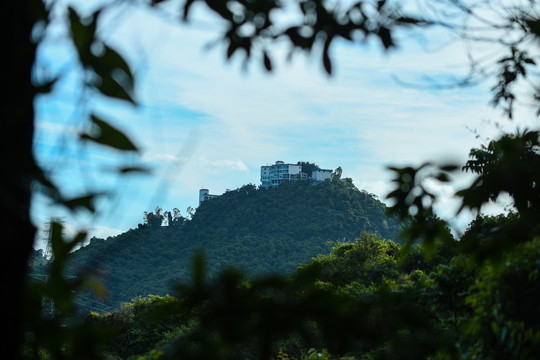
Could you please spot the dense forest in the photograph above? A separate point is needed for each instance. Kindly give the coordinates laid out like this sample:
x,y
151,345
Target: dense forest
x,y
258,230
366,299
289,312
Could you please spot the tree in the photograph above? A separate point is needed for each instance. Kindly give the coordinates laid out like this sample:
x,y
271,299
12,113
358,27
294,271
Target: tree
x,y
154,220
190,211
308,167
17,158
177,219
174,218
336,174
367,261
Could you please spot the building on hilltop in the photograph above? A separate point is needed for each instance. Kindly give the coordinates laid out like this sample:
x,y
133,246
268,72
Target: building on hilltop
x,y
320,175
277,174
204,194
274,175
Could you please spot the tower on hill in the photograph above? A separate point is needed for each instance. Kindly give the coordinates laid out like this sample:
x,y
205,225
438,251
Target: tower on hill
x,y
204,194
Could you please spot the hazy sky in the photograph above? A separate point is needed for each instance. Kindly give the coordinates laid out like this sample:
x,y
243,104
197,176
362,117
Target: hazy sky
x,y
203,122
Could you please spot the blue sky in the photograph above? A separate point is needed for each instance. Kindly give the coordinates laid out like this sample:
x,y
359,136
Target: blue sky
x,y
203,122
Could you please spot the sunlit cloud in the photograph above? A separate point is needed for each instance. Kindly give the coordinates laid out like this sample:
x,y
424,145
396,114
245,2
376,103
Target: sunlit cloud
x,y
160,158
228,165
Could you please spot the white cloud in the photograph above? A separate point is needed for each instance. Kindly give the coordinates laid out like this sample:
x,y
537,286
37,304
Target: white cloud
x,y
70,230
224,165
102,232
379,188
160,158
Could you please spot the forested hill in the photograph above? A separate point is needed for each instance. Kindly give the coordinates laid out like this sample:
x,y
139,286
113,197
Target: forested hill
x,y
258,230
332,210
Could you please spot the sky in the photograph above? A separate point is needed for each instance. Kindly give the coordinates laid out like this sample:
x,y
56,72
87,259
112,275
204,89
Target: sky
x,y
203,122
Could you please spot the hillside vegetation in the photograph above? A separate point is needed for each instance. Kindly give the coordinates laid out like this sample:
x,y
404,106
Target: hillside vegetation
x,y
257,230
349,286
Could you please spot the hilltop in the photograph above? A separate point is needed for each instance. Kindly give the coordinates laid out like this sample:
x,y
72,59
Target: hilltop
x,y
258,230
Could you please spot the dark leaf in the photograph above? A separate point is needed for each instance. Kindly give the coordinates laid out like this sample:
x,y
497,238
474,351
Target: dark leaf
x,y
411,21
187,8
113,60
61,247
442,177
86,202
534,26
449,167
108,86
83,34
134,169
45,87
109,136
267,62
386,37
327,63
231,49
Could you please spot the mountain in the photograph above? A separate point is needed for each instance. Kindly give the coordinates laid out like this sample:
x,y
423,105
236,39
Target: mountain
x,y
252,228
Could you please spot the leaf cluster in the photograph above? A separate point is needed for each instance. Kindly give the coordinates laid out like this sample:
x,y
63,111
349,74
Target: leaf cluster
x,y
251,26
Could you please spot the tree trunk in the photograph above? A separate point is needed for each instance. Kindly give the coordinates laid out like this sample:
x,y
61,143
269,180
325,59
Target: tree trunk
x,y
18,164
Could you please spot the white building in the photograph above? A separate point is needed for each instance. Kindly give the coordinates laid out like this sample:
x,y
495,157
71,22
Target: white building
x,y
204,194
274,175
320,175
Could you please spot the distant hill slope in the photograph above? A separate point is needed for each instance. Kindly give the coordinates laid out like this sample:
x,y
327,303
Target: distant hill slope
x,y
258,230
